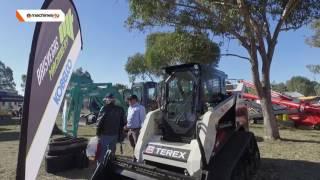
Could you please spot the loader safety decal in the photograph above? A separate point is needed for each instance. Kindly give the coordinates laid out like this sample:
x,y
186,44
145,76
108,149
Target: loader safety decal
x,y
168,152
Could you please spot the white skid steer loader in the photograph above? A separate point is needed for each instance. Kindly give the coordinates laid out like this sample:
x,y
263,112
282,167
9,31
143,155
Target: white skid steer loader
x,y
200,132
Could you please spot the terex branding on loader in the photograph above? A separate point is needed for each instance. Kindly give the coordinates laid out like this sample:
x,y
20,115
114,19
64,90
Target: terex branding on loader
x,y
167,152
198,133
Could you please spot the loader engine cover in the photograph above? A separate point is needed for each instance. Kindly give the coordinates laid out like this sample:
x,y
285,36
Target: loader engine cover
x,y
167,152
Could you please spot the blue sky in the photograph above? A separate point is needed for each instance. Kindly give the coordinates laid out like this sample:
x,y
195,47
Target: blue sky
x,y
107,44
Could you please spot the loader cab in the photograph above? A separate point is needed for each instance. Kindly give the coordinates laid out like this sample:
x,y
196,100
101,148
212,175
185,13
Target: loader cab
x,y
181,94
189,90
146,93
213,88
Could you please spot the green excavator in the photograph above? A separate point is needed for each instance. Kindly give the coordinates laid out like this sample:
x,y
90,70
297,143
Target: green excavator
x,y
90,97
86,96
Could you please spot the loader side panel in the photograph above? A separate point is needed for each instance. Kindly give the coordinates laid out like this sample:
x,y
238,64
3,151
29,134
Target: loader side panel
x,y
148,130
208,125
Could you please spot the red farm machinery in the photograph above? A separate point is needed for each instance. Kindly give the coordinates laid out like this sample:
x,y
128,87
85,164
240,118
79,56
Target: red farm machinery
x,y
302,112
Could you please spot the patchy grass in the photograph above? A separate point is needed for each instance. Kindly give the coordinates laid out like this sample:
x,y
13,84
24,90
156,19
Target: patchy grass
x,y
295,157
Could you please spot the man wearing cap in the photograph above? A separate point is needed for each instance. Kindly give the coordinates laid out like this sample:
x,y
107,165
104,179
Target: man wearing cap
x,y
110,123
135,118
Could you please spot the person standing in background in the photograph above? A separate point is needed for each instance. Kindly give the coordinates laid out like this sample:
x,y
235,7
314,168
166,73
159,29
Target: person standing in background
x,y
110,123
135,118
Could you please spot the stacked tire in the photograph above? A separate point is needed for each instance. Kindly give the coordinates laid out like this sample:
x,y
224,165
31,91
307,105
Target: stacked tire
x,y
66,153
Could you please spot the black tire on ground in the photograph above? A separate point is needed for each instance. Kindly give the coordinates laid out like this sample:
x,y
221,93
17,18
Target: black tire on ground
x,y
81,160
66,145
60,163
66,141
67,149
61,139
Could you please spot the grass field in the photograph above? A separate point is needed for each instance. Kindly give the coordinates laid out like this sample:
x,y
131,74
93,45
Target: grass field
x,y
295,157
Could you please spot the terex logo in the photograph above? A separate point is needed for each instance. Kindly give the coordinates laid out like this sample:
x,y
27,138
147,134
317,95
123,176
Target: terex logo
x,y
62,83
168,152
150,149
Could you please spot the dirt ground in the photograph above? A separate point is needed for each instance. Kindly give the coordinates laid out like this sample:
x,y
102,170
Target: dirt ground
x,y
295,157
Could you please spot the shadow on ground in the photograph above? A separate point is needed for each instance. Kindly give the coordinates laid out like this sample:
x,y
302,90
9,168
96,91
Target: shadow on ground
x,y
78,173
9,122
281,169
9,136
300,141
270,169
4,129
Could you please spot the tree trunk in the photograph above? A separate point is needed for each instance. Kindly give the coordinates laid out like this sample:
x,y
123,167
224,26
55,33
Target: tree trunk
x,y
263,89
270,123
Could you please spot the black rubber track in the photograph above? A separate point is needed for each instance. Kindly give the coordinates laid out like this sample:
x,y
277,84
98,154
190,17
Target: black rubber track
x,y
233,159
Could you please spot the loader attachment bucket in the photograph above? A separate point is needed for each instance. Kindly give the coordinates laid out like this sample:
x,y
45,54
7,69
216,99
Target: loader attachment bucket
x,y
120,167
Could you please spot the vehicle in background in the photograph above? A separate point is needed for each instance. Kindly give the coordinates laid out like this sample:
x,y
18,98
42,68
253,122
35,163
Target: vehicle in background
x,y
10,104
147,93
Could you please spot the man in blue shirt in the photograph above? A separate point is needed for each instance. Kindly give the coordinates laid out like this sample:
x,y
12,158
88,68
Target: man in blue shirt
x,y
135,118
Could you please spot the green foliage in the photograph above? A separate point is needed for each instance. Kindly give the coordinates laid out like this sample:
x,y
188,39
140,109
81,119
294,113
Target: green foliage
x,y
317,89
164,49
302,85
219,17
256,24
121,87
315,69
23,82
251,91
6,78
136,67
80,77
315,39
279,87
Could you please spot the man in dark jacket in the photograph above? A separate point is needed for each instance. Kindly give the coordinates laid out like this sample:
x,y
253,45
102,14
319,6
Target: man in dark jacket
x,y
110,123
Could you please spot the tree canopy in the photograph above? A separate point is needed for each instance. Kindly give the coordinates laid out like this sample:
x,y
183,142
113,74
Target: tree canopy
x,y
23,82
317,89
314,40
315,69
224,17
165,49
136,67
6,78
171,48
279,87
80,77
121,87
302,85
